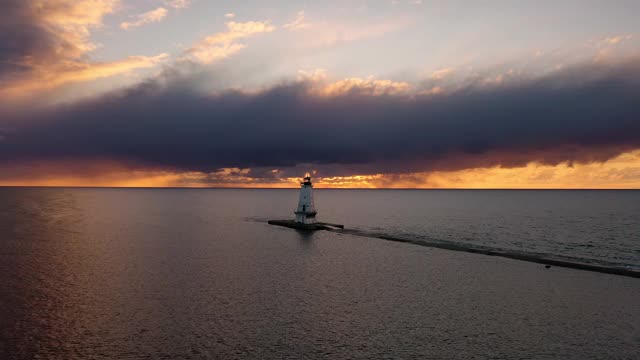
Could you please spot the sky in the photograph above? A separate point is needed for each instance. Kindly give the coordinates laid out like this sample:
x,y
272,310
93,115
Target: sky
x,y
362,94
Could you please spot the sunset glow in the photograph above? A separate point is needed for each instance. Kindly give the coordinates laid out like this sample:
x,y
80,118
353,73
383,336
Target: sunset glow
x,y
380,94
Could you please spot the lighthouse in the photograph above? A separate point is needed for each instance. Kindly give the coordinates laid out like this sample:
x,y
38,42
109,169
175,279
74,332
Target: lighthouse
x,y
306,210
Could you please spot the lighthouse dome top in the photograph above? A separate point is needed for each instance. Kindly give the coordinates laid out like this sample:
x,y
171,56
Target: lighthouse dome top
x,y
307,179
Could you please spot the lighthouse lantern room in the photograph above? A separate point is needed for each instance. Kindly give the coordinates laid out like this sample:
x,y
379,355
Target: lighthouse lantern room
x,y
306,211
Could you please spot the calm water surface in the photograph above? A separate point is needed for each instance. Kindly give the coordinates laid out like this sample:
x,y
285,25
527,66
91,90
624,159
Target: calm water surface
x,y
118,273
597,226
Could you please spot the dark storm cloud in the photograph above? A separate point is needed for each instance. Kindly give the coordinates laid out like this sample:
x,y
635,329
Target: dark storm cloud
x,y
30,39
20,36
588,113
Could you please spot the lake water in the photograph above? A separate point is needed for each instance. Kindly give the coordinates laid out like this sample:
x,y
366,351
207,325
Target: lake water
x,y
586,225
187,273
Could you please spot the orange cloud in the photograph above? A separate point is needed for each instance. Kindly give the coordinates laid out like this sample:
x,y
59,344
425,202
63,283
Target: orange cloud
x,y
222,45
320,84
622,172
61,56
610,47
71,22
55,75
613,40
368,86
441,74
149,17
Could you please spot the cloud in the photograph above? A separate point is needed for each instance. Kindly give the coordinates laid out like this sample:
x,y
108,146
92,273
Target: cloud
x,y
612,47
222,45
621,172
44,44
298,23
580,114
149,17
36,33
368,86
319,84
441,74
230,15
178,4
156,15
614,40
327,34
70,72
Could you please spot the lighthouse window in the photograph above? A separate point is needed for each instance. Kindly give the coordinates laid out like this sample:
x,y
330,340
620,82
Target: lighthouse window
x,y
304,207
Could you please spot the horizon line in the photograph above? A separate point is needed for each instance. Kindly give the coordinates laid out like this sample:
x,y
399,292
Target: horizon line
x,y
287,188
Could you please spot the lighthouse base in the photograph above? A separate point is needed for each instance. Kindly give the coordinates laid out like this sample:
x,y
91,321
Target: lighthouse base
x,y
301,226
306,218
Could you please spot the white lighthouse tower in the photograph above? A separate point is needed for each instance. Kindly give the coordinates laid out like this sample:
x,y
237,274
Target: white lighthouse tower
x,y
306,211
